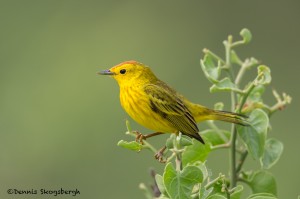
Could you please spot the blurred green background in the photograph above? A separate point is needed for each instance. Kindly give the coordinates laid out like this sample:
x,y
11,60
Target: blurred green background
x,y
60,122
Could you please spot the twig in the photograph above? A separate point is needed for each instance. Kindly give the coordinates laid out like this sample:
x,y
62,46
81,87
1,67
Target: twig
x,y
242,161
233,158
211,183
221,146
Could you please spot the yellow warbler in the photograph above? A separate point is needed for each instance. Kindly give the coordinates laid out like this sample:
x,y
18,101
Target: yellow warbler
x,y
155,105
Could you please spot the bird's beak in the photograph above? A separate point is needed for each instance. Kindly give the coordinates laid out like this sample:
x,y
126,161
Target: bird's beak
x,y
106,72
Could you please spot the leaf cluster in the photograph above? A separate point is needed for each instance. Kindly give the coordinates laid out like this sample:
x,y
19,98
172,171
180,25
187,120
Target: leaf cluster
x,y
186,174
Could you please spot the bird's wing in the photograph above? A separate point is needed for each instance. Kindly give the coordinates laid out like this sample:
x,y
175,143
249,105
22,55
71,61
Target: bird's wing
x,y
169,106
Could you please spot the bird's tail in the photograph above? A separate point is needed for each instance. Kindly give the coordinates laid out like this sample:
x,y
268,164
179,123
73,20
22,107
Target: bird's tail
x,y
201,113
229,117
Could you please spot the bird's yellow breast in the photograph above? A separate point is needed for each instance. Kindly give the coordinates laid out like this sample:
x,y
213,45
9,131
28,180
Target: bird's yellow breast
x,y
136,103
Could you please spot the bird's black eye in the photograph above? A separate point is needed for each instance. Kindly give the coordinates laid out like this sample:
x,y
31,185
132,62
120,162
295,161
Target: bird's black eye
x,y
123,71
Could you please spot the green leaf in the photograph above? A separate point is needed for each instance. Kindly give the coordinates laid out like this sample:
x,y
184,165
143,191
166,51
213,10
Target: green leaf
x,y
195,152
247,175
203,194
179,184
273,151
254,99
256,94
225,85
218,185
211,71
262,196
237,192
264,75
216,137
170,141
263,182
162,197
235,58
216,196
160,184
254,135
246,34
185,141
133,145
202,167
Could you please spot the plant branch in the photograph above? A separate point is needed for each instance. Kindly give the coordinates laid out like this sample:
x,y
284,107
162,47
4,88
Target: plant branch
x,y
242,161
211,183
281,103
245,96
237,43
228,45
146,145
178,152
247,64
178,162
221,146
149,146
233,157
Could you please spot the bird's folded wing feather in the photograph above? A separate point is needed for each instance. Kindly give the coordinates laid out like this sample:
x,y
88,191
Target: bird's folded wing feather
x,y
165,102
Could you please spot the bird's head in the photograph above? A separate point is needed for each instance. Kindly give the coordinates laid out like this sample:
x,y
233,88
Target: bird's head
x,y
130,72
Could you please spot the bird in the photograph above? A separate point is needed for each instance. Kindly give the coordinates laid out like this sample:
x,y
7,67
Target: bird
x,y
155,105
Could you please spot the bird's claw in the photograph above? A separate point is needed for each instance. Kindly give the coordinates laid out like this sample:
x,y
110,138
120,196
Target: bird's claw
x,y
139,137
160,156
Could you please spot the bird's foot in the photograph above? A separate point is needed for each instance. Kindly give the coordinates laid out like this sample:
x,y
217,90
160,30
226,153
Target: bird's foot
x,y
139,137
160,155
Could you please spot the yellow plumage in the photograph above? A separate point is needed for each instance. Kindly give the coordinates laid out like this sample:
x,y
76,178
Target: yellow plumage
x,y
155,105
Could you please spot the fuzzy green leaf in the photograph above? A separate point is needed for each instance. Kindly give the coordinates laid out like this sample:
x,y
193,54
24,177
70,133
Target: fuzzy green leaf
x,y
246,34
170,141
262,196
263,182
179,184
216,196
128,126
195,152
254,135
237,192
211,71
256,94
216,137
224,85
160,184
133,145
264,74
162,197
185,141
235,58
218,187
203,194
202,167
273,151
